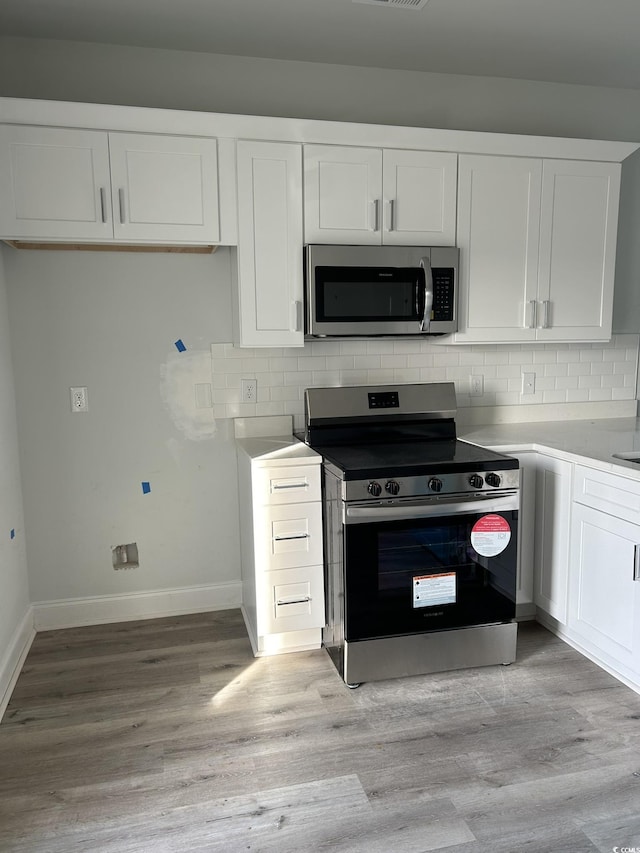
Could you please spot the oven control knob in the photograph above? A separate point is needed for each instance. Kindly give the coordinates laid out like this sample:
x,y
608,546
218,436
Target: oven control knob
x,y
476,481
493,480
435,484
392,487
374,489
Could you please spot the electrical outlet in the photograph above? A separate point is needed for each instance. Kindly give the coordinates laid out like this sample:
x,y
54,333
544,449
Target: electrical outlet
x,y
528,383
249,390
79,400
476,385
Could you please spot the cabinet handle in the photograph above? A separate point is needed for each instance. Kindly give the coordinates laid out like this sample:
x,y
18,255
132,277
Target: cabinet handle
x,y
121,203
546,305
291,538
375,207
279,486
296,315
533,305
636,562
305,600
392,215
103,204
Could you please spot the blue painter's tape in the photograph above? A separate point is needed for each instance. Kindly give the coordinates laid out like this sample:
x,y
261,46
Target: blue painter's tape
x,y
180,346
13,533
146,488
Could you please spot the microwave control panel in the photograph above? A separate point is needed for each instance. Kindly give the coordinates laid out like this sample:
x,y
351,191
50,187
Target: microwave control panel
x,y
443,293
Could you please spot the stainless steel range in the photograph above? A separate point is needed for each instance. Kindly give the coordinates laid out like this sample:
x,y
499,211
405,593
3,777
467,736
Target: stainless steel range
x,y
420,533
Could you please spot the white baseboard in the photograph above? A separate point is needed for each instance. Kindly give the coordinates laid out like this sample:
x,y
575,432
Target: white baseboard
x,y
14,658
98,610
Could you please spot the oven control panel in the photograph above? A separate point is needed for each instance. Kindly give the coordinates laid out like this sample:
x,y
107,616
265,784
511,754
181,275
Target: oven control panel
x,y
436,485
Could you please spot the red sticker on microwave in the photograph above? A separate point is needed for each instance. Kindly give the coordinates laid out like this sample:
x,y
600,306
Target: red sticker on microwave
x,y
490,535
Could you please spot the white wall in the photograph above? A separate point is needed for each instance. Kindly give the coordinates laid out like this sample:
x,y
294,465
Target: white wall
x,y
110,322
14,590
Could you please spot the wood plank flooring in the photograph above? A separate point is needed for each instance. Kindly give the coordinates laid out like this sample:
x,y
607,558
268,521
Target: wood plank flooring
x,y
167,735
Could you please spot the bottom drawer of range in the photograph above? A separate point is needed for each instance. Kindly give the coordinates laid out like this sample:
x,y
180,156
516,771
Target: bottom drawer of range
x,y
292,600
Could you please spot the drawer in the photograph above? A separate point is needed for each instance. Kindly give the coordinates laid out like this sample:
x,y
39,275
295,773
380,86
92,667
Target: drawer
x,y
290,484
609,493
293,600
291,535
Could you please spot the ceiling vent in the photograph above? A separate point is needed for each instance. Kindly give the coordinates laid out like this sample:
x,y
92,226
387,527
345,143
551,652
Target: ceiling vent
x,y
398,4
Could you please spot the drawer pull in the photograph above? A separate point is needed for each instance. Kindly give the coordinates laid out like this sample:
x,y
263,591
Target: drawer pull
x,y
293,536
636,562
279,486
305,600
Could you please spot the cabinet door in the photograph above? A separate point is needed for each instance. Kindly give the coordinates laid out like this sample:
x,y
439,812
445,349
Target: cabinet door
x,y
269,286
343,195
577,249
605,598
526,534
498,230
54,184
419,192
164,188
551,557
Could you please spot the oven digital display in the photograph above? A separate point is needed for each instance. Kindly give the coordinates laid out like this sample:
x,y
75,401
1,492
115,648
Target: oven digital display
x,y
384,400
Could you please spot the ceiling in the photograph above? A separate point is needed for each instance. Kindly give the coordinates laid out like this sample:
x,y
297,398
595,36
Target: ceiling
x,y
591,42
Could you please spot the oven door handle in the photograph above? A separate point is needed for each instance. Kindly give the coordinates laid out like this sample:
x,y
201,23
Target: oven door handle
x,y
368,513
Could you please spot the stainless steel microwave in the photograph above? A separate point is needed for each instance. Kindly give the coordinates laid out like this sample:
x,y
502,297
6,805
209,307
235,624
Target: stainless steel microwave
x,y
380,290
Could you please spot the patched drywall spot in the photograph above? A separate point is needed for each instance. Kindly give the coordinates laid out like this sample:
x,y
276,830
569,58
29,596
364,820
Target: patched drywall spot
x,y
179,376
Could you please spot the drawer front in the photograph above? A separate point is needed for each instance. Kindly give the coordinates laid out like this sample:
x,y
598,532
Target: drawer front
x,y
293,600
618,496
291,484
292,535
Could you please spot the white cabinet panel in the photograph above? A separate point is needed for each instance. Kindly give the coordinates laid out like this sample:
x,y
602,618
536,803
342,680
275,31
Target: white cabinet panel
x,y
551,561
269,284
292,600
294,535
498,232
75,185
419,197
538,242
372,196
164,188
291,484
526,533
343,189
605,600
54,184
577,249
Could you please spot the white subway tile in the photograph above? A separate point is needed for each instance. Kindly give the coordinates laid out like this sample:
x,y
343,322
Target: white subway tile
x,y
622,393
556,369
353,347
263,409
339,362
544,356
599,394
406,374
393,361
366,362
579,395
380,377
554,397
379,347
589,382
601,368
354,377
433,374
306,363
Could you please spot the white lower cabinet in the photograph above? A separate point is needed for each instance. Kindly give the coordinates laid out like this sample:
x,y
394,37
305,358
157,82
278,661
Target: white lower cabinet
x,y
282,553
604,613
551,553
525,607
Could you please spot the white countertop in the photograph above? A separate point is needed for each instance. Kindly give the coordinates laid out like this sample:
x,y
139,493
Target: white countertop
x,y
276,450
592,442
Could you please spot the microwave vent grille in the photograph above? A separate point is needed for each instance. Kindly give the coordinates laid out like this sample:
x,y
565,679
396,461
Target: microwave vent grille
x,y
399,4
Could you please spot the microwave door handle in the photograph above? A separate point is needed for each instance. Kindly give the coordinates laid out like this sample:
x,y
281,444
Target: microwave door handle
x,y
425,263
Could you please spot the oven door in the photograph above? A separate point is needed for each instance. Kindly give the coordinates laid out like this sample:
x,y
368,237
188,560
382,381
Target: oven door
x,y
416,566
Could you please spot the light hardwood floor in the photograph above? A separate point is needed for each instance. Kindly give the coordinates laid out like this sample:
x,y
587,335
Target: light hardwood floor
x,y
167,735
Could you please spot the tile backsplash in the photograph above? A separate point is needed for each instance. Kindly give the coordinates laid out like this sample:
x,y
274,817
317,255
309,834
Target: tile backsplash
x,y
564,373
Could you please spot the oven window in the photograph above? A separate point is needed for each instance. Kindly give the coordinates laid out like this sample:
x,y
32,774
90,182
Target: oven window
x,y
407,576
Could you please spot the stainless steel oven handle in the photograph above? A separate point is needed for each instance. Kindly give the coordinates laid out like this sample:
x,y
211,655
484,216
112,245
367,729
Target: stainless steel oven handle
x,y
392,511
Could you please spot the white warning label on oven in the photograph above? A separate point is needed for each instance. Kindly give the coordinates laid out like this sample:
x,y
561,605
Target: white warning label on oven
x,y
429,590
490,535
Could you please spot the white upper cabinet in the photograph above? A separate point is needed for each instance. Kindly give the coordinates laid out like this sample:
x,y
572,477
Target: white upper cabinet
x,y
269,289
578,233
366,196
77,185
54,184
164,188
498,235
537,245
